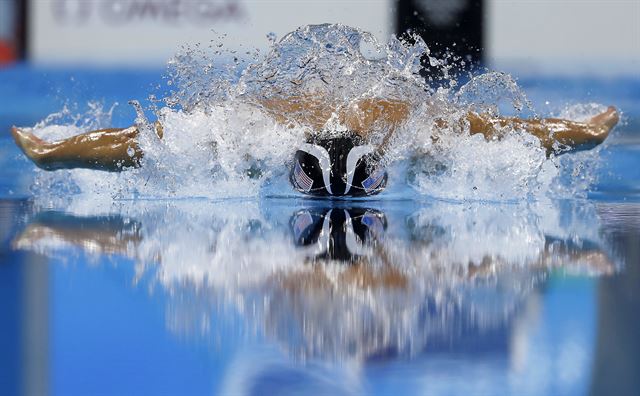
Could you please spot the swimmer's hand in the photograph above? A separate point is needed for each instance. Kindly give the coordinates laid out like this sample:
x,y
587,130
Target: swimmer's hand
x,y
596,131
605,121
31,145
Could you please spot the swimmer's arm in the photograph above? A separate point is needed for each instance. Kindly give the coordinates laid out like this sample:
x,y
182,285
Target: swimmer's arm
x,y
105,149
550,131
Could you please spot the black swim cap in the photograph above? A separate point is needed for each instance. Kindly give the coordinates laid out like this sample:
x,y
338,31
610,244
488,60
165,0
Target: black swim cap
x,y
338,166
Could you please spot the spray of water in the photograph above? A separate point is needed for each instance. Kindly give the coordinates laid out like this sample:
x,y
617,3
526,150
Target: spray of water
x,y
220,141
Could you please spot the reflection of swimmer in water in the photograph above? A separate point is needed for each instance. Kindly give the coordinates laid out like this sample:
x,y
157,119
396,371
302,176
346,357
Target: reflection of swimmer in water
x,y
353,237
389,294
343,166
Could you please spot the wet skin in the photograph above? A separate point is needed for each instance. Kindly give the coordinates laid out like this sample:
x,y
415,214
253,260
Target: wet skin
x,y
117,149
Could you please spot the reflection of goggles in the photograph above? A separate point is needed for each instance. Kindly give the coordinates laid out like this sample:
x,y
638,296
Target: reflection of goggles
x,y
337,234
338,167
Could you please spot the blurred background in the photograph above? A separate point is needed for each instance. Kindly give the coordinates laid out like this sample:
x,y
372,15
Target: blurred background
x,y
569,36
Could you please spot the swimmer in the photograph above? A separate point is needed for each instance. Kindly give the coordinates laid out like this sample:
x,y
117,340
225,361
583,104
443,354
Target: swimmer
x,y
340,166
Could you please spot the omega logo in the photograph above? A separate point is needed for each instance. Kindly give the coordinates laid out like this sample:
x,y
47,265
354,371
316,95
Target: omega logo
x,y
121,12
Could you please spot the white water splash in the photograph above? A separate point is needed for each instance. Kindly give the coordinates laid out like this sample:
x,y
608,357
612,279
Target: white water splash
x,y
220,142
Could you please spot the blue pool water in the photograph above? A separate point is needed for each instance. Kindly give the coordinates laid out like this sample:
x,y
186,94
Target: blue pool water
x,y
249,296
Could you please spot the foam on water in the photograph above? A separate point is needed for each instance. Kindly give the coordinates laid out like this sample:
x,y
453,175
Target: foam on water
x,y
220,141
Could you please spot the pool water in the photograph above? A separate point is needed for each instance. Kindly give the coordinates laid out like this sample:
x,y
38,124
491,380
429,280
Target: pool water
x,y
274,295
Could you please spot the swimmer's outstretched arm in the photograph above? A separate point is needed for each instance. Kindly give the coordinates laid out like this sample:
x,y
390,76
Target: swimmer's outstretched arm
x,y
553,133
550,131
106,149
364,115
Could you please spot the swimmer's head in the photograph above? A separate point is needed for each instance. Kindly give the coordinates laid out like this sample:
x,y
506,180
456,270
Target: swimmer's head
x,y
338,166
